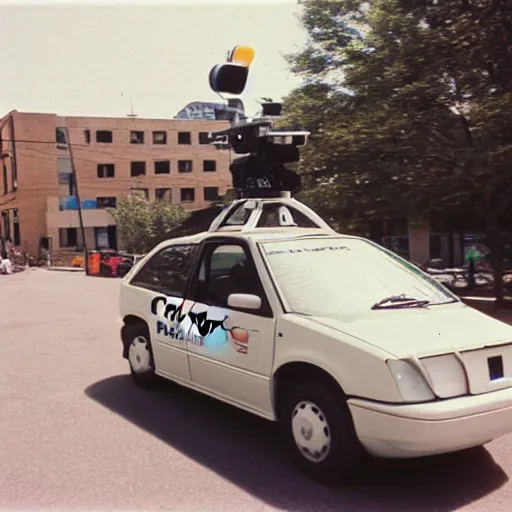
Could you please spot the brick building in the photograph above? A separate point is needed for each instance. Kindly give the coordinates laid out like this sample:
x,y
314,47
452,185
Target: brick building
x,y
113,157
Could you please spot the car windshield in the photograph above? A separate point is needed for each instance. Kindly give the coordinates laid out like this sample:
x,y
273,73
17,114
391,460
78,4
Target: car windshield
x,y
342,277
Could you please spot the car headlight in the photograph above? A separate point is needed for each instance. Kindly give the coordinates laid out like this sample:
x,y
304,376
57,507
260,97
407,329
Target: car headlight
x,y
447,375
411,385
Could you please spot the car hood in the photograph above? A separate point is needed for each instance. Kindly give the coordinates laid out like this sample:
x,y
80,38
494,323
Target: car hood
x,y
423,331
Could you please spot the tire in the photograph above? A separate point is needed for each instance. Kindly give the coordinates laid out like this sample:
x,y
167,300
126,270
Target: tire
x,y
315,416
140,356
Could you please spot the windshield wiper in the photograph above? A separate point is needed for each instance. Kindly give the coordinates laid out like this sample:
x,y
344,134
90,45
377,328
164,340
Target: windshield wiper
x,y
400,301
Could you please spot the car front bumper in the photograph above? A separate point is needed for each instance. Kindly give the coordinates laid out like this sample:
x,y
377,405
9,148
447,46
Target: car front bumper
x,y
404,431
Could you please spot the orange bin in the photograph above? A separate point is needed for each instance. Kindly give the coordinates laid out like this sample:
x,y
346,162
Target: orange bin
x,y
77,261
94,263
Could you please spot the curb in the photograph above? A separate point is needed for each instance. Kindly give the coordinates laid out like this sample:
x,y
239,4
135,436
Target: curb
x,y
65,269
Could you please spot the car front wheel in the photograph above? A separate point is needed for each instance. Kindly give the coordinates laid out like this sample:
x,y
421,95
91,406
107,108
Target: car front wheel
x,y
320,432
140,356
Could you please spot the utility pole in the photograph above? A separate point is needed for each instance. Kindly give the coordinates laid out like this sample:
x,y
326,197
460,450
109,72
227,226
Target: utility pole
x,y
77,193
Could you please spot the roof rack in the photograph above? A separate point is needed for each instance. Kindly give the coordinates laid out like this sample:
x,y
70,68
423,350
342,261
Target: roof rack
x,y
245,214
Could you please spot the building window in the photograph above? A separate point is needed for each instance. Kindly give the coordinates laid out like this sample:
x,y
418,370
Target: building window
x,y
68,237
138,169
61,138
106,202
64,164
64,178
104,136
144,192
67,184
106,170
16,225
184,165
163,194
87,136
6,185
136,137
188,195
6,224
72,185
163,167
204,138
159,137
209,165
184,138
211,193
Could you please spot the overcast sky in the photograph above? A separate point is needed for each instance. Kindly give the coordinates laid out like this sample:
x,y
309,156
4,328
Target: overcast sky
x,y
79,57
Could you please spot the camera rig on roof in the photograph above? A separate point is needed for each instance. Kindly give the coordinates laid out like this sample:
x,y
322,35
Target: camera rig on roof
x,y
261,171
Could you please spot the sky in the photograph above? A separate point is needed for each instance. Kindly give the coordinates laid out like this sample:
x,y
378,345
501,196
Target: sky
x,y
88,58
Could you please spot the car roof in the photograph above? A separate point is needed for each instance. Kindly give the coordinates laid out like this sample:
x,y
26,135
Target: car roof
x,y
257,235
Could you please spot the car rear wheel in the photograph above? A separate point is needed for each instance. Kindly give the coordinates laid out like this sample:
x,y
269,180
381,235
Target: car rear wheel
x,y
320,432
140,356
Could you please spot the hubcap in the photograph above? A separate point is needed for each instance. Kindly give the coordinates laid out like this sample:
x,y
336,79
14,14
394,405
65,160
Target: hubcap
x,y
311,431
139,356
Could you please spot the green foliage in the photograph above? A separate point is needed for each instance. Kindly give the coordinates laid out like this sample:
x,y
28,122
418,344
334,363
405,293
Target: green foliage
x,y
143,224
409,103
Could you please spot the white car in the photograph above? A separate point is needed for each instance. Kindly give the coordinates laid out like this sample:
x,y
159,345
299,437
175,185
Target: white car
x,y
351,348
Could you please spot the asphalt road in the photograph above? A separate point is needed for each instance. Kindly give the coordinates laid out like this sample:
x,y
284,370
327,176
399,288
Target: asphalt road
x,y
75,434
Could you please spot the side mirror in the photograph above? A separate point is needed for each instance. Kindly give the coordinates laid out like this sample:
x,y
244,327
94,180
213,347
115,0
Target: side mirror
x,y
244,301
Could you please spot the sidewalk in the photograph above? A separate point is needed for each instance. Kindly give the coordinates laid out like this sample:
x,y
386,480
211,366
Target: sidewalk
x,y
486,305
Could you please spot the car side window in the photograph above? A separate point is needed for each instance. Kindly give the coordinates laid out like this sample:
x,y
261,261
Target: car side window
x,y
238,217
167,271
225,269
225,257
270,217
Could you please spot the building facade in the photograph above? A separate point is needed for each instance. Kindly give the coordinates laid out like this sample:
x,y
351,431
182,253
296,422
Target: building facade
x,y
46,159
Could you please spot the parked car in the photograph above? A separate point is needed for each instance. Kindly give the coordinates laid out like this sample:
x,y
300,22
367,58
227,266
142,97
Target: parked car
x,y
109,263
127,262
352,349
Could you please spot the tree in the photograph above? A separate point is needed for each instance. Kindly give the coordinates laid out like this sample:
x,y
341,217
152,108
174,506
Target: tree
x,y
410,102
143,224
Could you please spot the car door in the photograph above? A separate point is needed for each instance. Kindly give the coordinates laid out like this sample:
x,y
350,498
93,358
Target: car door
x,y
230,351
163,281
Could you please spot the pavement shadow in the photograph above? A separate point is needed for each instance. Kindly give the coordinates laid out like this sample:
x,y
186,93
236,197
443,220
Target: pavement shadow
x,y
246,450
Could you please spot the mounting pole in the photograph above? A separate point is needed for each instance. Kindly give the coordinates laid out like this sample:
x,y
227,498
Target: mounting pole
x,y
80,216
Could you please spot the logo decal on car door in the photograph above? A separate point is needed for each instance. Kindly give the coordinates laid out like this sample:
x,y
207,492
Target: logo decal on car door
x,y
197,328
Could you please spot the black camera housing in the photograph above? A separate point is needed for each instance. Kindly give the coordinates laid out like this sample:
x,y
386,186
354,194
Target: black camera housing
x,y
261,172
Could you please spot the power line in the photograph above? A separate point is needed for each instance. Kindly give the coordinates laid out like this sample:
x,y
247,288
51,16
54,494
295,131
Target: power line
x,y
155,157
150,160
104,144
44,142
124,184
